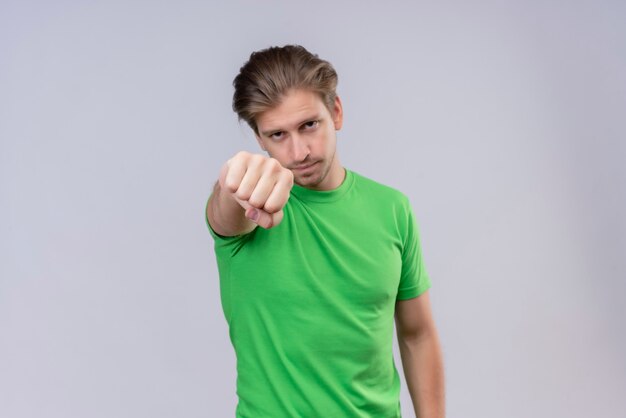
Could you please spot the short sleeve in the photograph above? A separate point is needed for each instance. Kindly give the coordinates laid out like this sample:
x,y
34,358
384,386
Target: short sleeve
x,y
414,279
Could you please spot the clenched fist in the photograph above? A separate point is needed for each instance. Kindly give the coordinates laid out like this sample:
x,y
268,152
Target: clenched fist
x,y
259,184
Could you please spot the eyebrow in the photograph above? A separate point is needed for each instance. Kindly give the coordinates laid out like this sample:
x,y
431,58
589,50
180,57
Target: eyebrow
x,y
272,131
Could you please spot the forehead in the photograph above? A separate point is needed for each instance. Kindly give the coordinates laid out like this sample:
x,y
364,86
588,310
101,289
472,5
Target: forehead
x,y
296,107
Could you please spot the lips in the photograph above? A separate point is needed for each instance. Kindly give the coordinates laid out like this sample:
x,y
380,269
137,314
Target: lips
x,y
304,167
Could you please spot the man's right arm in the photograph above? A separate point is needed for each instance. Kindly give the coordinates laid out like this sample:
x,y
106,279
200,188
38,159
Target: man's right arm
x,y
226,216
251,191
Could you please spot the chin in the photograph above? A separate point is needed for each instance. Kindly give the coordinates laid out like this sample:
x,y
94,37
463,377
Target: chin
x,y
312,181
308,181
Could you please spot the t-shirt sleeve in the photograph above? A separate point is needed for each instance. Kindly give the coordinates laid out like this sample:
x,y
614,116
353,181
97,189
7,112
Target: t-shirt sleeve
x,y
414,279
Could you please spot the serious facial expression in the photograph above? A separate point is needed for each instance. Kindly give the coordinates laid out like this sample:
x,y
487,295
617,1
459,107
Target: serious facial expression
x,y
300,133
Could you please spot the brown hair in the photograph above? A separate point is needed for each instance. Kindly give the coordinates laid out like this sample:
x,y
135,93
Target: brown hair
x,y
270,73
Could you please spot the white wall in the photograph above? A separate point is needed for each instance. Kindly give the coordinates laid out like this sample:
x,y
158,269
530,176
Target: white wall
x,y
503,121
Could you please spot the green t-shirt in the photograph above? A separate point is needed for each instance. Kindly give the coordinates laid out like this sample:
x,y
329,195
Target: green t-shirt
x,y
310,303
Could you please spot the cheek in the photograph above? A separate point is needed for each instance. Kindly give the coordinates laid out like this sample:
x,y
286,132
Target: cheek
x,y
326,142
322,138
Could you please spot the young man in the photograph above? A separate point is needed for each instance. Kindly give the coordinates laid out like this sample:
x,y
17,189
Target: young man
x,y
316,261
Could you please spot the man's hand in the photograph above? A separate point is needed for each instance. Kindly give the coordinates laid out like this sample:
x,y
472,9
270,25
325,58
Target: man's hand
x,y
259,184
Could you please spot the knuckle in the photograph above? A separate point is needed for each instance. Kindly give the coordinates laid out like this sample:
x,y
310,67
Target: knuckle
x,y
271,207
242,194
230,186
257,158
256,202
268,165
253,164
240,156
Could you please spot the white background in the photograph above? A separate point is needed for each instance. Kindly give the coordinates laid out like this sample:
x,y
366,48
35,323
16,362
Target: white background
x,y
503,121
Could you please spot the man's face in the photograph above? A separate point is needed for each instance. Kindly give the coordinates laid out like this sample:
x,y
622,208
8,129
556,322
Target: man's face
x,y
301,134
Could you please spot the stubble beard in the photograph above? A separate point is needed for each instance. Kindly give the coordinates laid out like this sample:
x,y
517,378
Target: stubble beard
x,y
314,180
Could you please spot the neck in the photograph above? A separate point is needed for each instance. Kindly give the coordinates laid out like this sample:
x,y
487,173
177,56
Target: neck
x,y
335,176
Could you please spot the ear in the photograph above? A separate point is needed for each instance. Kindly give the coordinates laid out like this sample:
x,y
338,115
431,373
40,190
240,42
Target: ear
x,y
338,114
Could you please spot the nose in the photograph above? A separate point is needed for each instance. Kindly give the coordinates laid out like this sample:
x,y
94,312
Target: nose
x,y
299,148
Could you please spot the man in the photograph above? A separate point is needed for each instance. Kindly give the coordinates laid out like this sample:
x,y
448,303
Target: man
x,y
315,260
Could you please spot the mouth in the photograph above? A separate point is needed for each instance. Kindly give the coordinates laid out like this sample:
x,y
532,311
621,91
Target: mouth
x,y
304,167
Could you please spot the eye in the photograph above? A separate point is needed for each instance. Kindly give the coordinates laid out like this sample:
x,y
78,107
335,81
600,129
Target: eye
x,y
312,124
277,135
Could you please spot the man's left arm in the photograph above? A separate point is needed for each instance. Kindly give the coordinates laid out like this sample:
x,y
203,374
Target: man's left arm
x,y
422,360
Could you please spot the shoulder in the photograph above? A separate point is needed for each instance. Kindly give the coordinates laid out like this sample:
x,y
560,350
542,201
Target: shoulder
x,y
387,204
379,191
